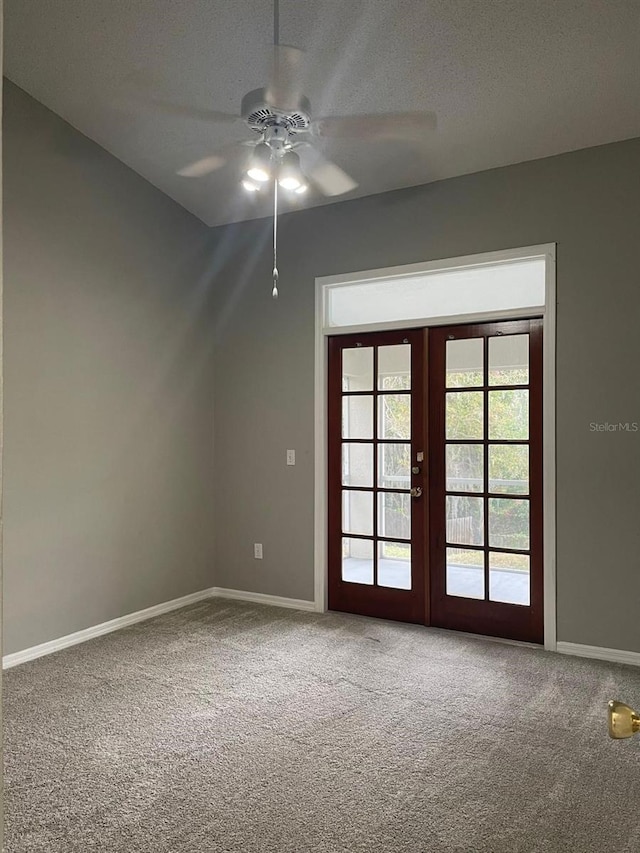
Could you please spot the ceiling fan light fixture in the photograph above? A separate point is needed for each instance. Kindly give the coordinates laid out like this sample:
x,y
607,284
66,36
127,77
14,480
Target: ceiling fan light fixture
x,y
301,189
290,183
250,185
260,166
258,174
290,175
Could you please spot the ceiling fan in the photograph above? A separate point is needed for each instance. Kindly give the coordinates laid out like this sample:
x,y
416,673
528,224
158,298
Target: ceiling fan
x,y
283,151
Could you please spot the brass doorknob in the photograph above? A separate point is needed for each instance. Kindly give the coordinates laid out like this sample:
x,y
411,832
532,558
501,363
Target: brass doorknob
x,y
623,720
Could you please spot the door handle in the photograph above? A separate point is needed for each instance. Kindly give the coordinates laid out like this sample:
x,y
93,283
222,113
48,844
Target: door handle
x,y
623,720
416,491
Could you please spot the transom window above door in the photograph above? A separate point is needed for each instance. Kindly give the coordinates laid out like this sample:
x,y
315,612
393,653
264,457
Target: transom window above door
x,y
424,293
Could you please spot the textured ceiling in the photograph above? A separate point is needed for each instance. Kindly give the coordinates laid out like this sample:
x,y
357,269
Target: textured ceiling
x,y
510,80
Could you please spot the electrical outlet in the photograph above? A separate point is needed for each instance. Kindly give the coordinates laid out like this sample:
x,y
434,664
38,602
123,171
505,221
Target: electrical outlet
x,y
291,457
257,550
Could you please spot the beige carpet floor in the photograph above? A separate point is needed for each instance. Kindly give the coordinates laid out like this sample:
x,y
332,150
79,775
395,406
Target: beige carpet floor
x,y
238,728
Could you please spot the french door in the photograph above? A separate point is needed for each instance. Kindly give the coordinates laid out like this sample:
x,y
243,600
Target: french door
x,y
377,486
435,477
485,479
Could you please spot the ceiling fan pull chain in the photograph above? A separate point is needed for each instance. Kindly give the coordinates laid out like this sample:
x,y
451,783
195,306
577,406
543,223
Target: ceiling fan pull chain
x,y
274,292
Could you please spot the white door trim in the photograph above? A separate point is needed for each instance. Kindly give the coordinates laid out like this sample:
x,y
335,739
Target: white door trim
x,y
548,312
549,452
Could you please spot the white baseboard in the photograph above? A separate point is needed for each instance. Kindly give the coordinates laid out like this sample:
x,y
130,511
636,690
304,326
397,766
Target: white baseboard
x,y
52,646
599,653
104,628
8,661
263,598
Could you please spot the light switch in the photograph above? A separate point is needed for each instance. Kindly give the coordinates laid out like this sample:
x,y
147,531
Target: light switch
x,y
257,550
291,457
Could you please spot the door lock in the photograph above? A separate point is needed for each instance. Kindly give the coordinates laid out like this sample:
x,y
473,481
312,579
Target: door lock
x,y
416,491
415,469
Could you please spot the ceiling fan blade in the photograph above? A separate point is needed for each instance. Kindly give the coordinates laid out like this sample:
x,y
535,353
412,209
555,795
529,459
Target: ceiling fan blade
x,y
202,167
388,125
137,90
217,159
285,81
330,179
189,112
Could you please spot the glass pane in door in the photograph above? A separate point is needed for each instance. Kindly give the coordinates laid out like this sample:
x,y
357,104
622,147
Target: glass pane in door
x,y
509,415
394,466
357,369
357,561
509,360
464,415
357,512
357,417
394,368
394,565
509,578
465,573
509,524
465,467
357,464
394,416
465,359
509,468
465,520
394,515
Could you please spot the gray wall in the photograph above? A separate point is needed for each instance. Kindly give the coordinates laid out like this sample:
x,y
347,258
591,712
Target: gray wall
x,y
589,203
122,313
108,427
